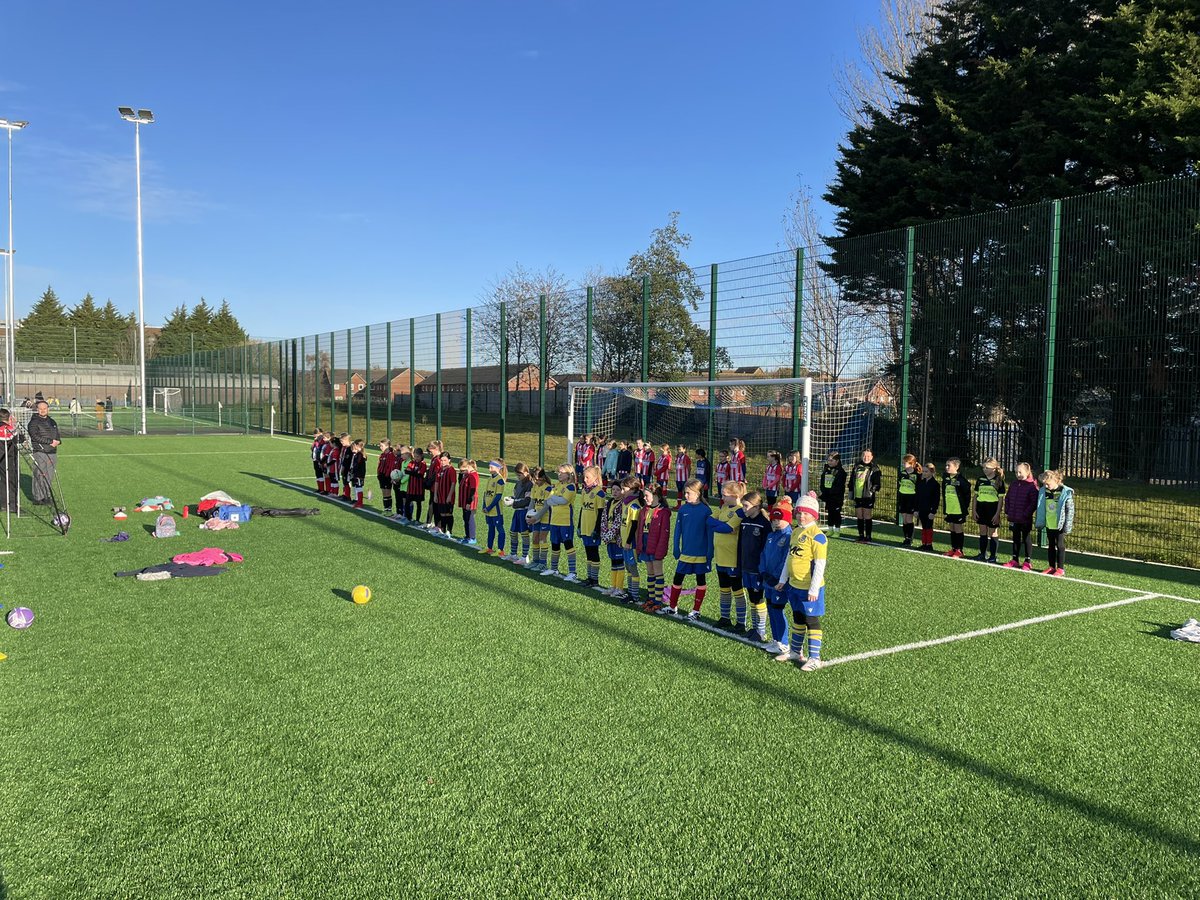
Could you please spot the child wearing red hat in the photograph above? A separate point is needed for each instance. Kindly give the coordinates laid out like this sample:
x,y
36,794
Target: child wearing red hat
x,y
803,577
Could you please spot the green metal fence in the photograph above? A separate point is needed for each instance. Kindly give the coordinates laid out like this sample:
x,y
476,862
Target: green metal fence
x,y
1063,334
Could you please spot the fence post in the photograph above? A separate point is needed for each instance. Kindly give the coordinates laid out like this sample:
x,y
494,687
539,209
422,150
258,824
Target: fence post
x,y
387,381
712,363
645,349
349,385
332,381
412,381
797,334
1051,331
192,378
467,398
438,361
503,375
906,345
587,358
541,380
245,387
367,378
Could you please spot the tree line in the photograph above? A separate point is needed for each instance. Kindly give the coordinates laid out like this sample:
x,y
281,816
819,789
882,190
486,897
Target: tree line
x,y
89,331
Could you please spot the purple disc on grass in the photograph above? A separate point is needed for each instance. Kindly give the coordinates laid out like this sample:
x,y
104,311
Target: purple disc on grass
x,y
20,617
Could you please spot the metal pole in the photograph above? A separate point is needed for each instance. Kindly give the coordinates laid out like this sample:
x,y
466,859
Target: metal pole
x,y
1051,331
192,377
542,380
806,440
503,374
906,345
797,333
246,387
437,322
349,385
137,152
412,381
712,361
387,381
467,398
367,377
587,367
10,304
645,349
925,405
332,382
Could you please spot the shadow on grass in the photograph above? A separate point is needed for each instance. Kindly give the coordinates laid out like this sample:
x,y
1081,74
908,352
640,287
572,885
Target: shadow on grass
x,y
947,756
1133,568
1160,630
342,594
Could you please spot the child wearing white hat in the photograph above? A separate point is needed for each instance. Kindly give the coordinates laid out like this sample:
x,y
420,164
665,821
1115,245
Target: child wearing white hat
x,y
802,576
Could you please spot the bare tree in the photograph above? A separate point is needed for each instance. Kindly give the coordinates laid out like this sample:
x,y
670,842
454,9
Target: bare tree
x,y
839,338
519,289
885,50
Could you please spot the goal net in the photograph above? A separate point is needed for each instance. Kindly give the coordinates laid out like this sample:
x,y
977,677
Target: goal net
x,y
168,401
775,414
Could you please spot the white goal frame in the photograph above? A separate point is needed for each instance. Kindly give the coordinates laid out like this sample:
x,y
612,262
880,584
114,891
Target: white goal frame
x,y
805,409
165,393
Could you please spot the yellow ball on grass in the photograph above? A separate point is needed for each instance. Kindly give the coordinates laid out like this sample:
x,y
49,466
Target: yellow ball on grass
x,y
361,594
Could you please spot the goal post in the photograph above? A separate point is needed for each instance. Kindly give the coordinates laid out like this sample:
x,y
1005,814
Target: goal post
x,y
167,400
833,415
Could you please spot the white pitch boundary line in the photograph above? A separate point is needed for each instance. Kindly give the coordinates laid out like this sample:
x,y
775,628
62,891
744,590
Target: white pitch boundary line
x,y
1015,571
980,632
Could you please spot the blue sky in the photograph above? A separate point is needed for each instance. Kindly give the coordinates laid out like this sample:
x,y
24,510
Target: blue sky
x,y
325,166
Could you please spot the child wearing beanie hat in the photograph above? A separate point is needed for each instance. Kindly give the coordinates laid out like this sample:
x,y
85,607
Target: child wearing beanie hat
x,y
774,558
802,576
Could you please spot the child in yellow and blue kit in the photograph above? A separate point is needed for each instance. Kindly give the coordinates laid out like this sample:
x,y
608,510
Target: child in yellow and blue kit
x,y
538,518
725,554
803,577
561,505
493,497
591,505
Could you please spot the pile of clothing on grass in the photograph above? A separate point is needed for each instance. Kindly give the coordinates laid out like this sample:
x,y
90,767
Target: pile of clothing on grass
x,y
148,504
209,561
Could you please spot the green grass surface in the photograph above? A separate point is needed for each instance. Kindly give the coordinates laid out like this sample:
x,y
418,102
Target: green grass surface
x,y
475,731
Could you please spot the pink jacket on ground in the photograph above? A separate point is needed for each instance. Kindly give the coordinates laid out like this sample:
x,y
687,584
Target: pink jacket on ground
x,y
209,556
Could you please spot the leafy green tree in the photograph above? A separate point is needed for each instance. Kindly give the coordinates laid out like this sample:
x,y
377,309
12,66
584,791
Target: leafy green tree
x,y
176,335
226,330
45,333
1007,106
678,346
200,324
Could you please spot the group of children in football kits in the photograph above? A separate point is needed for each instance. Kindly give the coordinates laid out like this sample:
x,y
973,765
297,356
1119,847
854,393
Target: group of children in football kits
x,y
766,546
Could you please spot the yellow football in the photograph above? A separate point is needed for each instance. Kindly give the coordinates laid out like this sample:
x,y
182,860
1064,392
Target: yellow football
x,y
361,594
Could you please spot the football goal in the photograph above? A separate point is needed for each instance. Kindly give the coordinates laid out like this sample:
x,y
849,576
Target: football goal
x,y
168,401
782,414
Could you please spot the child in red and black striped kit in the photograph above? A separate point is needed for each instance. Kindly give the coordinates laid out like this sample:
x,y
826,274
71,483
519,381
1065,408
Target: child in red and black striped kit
x,y
333,465
416,487
772,477
793,475
358,471
346,458
318,448
468,499
442,499
683,473
662,468
383,472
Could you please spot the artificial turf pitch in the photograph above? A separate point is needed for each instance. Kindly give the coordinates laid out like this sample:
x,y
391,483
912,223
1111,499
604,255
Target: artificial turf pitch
x,y
477,731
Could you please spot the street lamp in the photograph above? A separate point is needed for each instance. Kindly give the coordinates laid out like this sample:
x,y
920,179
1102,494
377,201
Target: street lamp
x,y
140,118
10,354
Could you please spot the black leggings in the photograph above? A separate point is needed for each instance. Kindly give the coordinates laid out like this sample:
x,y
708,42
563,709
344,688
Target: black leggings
x,y
1022,542
679,576
833,515
1056,548
592,554
729,582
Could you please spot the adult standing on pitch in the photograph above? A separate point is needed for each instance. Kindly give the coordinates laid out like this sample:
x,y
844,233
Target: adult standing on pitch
x,y
10,472
44,440
108,411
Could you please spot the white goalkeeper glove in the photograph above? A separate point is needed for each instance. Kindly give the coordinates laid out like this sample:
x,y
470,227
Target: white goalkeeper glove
x,y
508,501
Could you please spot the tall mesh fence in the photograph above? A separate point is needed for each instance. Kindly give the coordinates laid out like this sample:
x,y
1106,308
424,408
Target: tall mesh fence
x,y
1062,335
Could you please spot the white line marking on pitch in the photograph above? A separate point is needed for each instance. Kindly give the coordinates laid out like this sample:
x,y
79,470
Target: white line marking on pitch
x,y
1016,571
980,632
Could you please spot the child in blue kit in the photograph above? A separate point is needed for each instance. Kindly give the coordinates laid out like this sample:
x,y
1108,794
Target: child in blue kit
x,y
774,557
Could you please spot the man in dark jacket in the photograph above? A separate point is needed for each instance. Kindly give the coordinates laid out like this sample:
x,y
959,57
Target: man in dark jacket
x,y
43,440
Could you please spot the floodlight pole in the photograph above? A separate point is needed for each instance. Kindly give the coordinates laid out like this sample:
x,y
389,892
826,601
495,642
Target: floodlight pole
x,y
10,354
142,117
